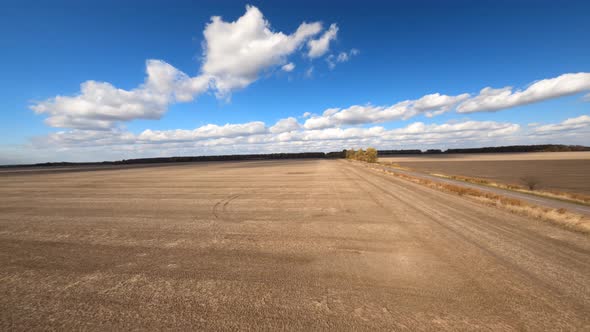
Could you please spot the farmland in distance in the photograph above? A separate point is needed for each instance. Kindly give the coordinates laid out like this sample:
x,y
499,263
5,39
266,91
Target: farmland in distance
x,y
561,171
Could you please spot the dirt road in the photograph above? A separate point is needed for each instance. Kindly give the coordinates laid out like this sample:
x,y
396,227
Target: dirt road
x,y
276,245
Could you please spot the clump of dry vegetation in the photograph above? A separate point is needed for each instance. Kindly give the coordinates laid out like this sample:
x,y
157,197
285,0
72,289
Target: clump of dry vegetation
x,y
561,217
531,182
394,165
369,155
530,188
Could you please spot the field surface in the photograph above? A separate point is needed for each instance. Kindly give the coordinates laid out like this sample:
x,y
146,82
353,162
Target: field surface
x,y
317,244
561,171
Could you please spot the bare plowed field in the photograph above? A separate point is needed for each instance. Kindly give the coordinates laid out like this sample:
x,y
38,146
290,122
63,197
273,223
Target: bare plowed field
x,y
560,171
316,244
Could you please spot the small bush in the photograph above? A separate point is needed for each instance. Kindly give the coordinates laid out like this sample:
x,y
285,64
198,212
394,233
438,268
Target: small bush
x,y
360,155
530,181
371,155
350,154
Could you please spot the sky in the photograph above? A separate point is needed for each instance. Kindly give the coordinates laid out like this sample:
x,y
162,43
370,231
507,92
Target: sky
x,y
110,80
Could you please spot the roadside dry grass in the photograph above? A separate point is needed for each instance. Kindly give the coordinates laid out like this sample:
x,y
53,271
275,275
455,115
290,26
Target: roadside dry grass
x,y
572,197
560,217
394,165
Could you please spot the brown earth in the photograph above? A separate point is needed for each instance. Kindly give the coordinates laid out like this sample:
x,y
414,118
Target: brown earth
x,y
508,156
318,244
559,171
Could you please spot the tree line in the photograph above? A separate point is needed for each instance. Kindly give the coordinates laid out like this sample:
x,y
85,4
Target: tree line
x,y
493,149
163,160
369,155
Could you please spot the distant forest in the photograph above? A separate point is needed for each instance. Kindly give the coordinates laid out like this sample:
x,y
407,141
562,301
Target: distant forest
x,y
494,149
318,155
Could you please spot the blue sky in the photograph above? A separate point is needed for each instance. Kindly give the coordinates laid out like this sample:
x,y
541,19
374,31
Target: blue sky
x,y
390,52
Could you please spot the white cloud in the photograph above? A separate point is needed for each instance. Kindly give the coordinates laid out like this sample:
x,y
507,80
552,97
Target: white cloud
x,y
84,138
580,123
341,134
309,72
460,129
254,137
320,46
436,103
430,104
99,104
204,132
342,57
358,115
236,52
234,55
81,138
330,60
285,125
490,99
288,67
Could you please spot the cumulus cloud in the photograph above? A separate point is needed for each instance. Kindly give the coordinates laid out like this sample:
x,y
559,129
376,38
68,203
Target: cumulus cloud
x,y
236,52
581,123
204,132
356,114
460,129
288,67
99,104
84,138
285,125
348,133
286,133
434,104
490,99
321,46
255,137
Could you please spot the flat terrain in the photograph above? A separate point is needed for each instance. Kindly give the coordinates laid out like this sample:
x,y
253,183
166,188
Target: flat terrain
x,y
317,244
561,171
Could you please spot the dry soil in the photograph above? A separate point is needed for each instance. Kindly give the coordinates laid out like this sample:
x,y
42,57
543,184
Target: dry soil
x,y
560,171
318,244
